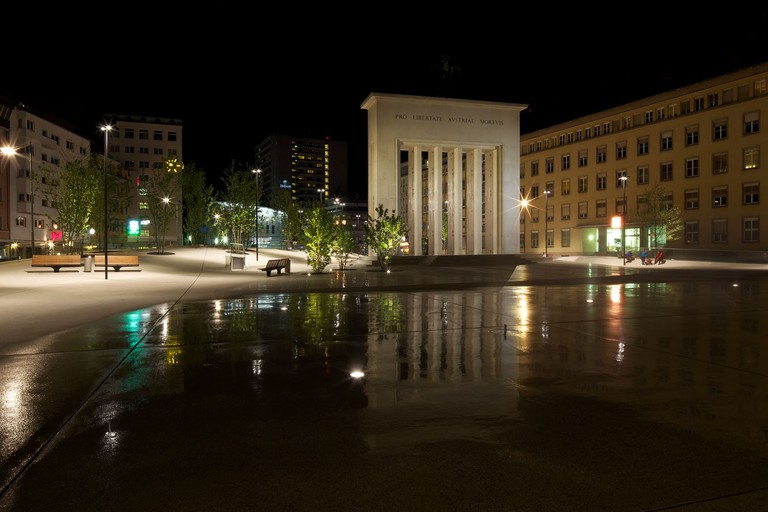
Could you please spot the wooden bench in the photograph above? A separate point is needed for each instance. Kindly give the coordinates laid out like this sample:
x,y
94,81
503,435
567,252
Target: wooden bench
x,y
118,261
56,261
277,265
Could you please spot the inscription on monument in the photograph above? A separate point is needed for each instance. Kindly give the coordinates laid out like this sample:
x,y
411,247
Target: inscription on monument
x,y
402,116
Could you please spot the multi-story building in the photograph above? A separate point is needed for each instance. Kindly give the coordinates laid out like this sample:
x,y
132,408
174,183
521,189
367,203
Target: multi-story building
x,y
27,217
314,170
141,145
586,182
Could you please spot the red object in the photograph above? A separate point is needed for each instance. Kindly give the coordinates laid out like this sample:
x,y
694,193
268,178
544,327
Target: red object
x,y
55,235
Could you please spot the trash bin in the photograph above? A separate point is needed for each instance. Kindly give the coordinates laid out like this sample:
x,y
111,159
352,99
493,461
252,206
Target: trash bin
x,y
88,263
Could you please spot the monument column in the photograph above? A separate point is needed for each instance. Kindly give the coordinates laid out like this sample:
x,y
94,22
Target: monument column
x,y
456,202
435,169
416,219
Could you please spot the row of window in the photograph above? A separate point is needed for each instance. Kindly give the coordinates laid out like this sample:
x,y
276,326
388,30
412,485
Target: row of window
x,y
750,195
22,223
130,133
26,198
144,164
751,161
583,161
750,233
29,125
143,150
565,238
710,100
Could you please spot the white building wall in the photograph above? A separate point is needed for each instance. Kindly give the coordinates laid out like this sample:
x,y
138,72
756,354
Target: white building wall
x,y
51,146
449,126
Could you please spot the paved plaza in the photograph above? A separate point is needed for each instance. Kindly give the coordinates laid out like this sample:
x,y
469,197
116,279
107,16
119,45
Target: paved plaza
x,y
493,384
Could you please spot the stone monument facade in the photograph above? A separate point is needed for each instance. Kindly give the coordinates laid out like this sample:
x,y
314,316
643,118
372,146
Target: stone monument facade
x,y
451,168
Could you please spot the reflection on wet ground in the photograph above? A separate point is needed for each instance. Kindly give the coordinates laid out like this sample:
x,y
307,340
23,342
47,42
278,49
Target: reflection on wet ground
x,y
607,396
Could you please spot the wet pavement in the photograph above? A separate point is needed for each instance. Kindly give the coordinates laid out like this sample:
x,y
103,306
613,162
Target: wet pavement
x,y
563,385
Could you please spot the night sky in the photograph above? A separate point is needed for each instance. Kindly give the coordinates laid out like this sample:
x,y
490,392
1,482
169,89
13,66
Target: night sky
x,y
233,80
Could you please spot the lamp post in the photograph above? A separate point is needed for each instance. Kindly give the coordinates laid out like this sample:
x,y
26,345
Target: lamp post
x,y
546,222
523,209
167,201
106,129
11,151
624,220
320,191
256,173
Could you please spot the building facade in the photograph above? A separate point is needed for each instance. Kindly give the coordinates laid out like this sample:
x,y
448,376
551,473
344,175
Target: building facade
x,y
141,145
450,168
586,185
27,216
313,170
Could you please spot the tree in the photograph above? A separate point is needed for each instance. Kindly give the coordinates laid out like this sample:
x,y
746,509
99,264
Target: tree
x,y
236,211
383,235
198,198
75,190
291,222
444,229
662,219
343,244
318,238
163,199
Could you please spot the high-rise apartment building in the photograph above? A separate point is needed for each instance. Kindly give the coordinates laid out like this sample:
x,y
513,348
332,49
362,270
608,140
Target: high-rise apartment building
x,y
313,170
141,145
27,215
699,146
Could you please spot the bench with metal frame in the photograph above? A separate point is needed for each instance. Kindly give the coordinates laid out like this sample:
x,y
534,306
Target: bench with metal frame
x,y
56,261
118,261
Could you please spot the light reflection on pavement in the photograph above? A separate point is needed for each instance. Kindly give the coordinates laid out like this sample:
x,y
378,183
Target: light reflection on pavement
x,y
575,390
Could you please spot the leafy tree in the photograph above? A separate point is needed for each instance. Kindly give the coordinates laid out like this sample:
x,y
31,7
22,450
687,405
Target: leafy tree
x,y
74,190
198,198
163,199
236,212
662,219
343,244
383,235
290,216
77,190
319,237
444,234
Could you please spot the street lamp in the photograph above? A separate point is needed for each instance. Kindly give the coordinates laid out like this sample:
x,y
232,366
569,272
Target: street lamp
x,y
321,195
524,203
546,221
624,220
167,201
11,151
106,129
256,173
